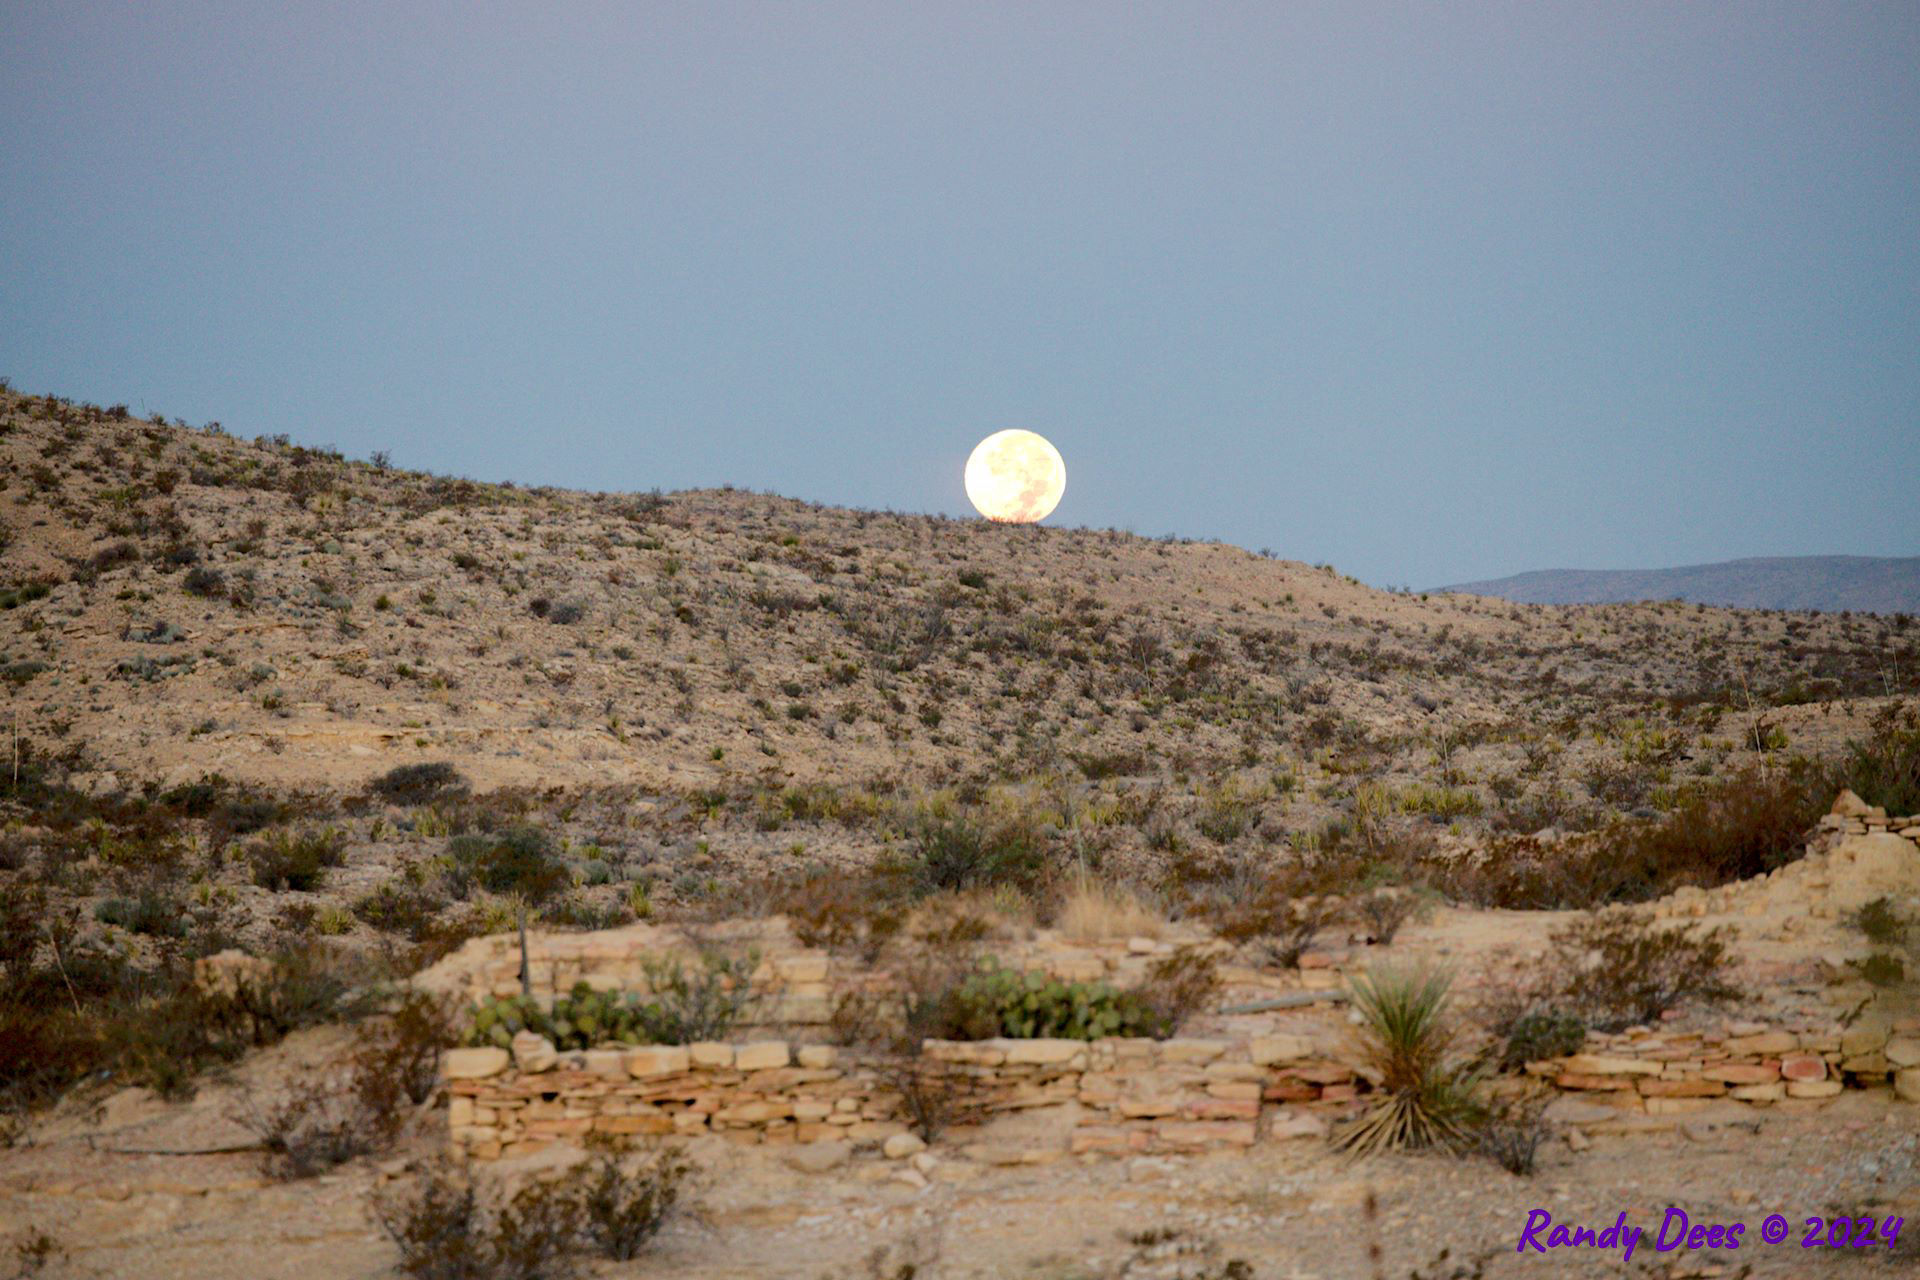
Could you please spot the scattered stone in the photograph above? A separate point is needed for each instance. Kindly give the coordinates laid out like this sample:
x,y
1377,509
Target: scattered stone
x,y
817,1157
902,1145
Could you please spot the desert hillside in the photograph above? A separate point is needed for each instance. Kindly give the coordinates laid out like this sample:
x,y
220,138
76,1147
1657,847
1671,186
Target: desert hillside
x,y
180,602
729,684
1867,584
303,742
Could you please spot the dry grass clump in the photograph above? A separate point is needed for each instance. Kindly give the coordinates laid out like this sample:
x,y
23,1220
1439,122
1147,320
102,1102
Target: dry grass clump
x,y
1096,910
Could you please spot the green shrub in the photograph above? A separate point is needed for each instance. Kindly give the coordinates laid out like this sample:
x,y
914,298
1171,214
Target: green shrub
x,y
520,861
297,861
1535,1036
1884,769
203,581
964,853
1743,826
417,783
151,911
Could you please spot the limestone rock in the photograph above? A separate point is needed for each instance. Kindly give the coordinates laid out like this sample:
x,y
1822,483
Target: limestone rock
x,y
1814,1089
1593,1064
1043,1052
710,1053
1803,1066
902,1145
533,1052
1267,1051
657,1060
1849,805
1296,1124
762,1055
473,1064
817,1157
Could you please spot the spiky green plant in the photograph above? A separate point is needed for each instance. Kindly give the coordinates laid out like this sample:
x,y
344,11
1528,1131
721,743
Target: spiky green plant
x,y
1426,1097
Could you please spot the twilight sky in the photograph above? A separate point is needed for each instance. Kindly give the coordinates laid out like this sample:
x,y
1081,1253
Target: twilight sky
x,y
1434,292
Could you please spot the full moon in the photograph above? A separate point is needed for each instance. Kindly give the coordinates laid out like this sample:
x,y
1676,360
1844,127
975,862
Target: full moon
x,y
1015,477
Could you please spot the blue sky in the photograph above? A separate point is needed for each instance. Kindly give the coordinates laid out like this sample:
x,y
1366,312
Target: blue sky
x,y
1434,292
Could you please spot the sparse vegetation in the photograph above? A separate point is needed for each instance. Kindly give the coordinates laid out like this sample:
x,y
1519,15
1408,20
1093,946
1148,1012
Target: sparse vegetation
x,y
448,1227
1616,969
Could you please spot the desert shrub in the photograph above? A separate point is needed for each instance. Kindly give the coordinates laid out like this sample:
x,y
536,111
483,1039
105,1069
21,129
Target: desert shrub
x,y
843,913
363,1108
417,783
1227,812
445,1228
151,911
1616,970
625,1203
1384,911
32,1252
1540,1034
401,904
960,852
518,861
96,1012
1882,922
1095,910
404,1047
1880,969
1425,1097
204,581
1743,826
25,593
1715,833
317,1129
1510,1134
1273,918
1177,987
697,1003
297,861
1884,769
934,1095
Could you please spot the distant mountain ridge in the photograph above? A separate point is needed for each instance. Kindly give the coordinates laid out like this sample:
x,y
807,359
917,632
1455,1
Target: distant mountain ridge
x,y
1864,584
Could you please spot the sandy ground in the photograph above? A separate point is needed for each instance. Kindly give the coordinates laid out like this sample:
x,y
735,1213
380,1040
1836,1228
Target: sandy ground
x,y
1289,1208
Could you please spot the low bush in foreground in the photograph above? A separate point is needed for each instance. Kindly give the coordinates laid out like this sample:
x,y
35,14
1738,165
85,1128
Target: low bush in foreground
x,y
449,1228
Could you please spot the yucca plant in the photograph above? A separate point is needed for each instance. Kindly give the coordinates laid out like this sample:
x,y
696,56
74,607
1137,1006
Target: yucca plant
x,y
1427,1098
